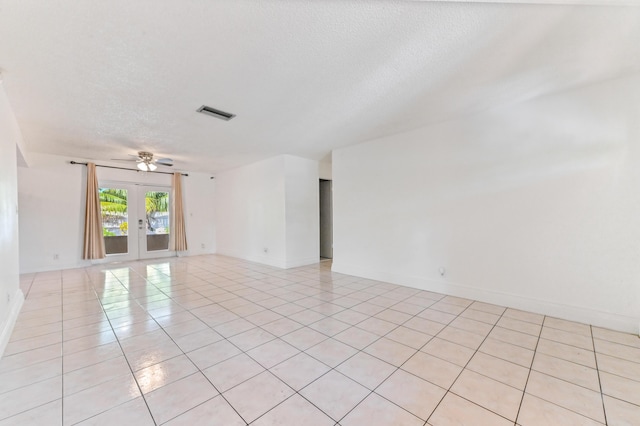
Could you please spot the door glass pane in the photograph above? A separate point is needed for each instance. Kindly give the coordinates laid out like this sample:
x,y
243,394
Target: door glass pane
x,y
156,205
115,225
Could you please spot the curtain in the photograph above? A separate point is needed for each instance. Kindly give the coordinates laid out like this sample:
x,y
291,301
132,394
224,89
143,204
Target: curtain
x,y
93,239
178,235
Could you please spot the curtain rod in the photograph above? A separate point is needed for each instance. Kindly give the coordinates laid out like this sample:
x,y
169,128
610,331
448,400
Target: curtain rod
x,y
124,168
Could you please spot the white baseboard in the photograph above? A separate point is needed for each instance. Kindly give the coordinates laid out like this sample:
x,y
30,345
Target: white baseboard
x,y
265,260
586,315
6,326
32,269
278,262
302,262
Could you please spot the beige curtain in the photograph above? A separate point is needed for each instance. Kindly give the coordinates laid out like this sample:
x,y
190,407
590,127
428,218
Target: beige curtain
x,y
93,239
178,236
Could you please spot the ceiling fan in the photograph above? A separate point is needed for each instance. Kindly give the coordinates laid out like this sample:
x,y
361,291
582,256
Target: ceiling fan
x,y
146,162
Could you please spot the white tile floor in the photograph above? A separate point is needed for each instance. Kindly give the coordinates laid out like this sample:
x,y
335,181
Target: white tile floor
x,y
212,340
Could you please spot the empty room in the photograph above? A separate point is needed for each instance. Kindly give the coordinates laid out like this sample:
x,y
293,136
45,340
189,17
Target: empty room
x,y
329,212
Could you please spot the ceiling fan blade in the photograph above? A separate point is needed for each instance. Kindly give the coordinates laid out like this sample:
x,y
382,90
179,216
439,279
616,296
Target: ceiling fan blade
x,y
164,161
148,158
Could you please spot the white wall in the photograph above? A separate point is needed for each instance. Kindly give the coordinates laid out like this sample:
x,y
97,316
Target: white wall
x,y
534,206
267,212
199,204
324,167
250,212
11,296
51,196
302,211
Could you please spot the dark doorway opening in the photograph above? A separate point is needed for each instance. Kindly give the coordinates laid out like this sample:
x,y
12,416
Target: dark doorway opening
x,y
326,219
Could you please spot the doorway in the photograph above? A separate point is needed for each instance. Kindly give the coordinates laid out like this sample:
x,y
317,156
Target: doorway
x,y
135,220
326,219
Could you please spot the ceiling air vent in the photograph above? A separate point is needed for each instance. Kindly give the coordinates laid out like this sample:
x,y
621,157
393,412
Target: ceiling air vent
x,y
226,116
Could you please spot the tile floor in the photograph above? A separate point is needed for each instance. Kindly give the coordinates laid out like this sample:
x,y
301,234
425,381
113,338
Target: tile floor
x,y
212,340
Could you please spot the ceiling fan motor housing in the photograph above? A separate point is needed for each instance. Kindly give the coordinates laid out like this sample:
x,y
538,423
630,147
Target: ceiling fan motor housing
x,y
145,156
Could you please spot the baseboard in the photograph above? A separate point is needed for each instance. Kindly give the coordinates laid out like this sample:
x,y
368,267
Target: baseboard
x,y
302,262
265,260
87,263
57,267
614,321
6,327
278,262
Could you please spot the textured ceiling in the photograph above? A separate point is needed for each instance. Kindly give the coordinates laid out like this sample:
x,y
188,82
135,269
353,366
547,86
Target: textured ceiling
x,y
100,80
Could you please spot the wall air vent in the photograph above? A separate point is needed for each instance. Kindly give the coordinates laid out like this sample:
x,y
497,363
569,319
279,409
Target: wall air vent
x,y
226,116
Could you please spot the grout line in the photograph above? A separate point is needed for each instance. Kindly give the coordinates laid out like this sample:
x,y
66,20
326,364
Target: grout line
x,y
295,392
526,383
189,358
604,408
304,308
62,345
387,377
199,370
242,281
123,353
361,350
304,351
466,365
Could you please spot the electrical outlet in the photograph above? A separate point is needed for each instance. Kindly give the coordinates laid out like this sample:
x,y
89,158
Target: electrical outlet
x,y
442,271
56,256
8,297
266,250
202,245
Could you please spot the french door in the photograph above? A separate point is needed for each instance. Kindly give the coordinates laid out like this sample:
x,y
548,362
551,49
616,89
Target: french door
x,y
135,220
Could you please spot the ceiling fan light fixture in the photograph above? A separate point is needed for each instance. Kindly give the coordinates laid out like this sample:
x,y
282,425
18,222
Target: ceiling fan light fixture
x,y
146,162
147,167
